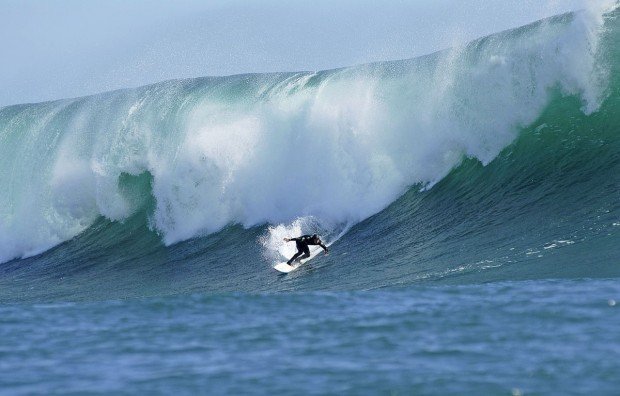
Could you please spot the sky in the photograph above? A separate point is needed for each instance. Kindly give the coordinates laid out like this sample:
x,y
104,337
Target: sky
x,y
56,49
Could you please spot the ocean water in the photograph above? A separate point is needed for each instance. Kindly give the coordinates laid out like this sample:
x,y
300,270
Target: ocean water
x,y
470,197
530,337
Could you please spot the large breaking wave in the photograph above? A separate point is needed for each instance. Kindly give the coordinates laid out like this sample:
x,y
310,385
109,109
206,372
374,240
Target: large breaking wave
x,y
485,141
338,145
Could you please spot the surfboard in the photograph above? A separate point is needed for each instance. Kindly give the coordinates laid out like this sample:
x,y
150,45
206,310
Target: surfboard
x,y
285,268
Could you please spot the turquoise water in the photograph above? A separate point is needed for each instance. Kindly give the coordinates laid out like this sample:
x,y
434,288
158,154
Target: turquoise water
x,y
471,199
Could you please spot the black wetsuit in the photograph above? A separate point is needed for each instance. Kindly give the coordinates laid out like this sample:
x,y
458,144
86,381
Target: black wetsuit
x,y
302,246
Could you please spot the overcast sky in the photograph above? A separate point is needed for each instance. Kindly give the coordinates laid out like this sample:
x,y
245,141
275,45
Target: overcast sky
x,y
64,48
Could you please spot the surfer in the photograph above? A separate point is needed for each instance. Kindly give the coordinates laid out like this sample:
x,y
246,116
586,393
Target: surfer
x,y
302,246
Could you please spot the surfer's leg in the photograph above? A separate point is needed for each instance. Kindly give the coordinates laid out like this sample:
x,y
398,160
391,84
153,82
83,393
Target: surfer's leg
x,y
299,252
306,254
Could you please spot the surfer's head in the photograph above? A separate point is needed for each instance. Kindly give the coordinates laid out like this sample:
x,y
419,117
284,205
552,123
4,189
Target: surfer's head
x,y
315,238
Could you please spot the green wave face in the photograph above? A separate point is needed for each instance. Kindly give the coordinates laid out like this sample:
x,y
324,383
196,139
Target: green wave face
x,y
498,160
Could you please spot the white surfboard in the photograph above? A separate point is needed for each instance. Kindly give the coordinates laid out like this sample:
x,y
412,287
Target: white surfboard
x,y
285,268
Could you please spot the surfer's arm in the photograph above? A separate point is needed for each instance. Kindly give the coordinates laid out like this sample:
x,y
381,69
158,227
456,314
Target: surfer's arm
x,y
324,248
291,239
